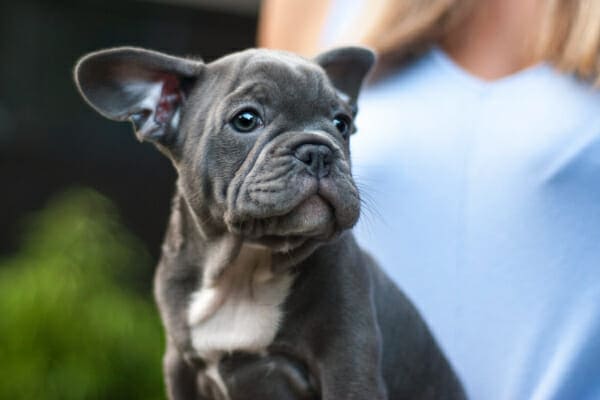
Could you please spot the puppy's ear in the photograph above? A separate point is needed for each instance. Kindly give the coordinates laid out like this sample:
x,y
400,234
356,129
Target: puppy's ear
x,y
347,67
146,87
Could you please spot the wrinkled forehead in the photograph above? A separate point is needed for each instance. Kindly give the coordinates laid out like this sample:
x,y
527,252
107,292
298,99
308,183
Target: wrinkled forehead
x,y
290,76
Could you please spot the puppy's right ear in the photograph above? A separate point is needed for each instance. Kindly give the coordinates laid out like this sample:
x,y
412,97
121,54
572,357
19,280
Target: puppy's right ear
x,y
347,67
146,87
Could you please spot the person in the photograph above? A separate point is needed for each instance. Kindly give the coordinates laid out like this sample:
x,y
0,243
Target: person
x,y
478,156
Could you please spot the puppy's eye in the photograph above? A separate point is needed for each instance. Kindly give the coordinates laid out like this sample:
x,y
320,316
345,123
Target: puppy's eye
x,y
246,121
342,124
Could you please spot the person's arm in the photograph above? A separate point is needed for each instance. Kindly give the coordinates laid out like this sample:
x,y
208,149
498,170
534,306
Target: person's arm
x,y
293,25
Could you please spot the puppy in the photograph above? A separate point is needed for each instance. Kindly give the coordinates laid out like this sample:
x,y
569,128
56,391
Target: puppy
x,y
261,286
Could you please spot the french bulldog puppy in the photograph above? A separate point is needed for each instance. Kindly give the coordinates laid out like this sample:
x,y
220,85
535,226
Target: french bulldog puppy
x,y
261,286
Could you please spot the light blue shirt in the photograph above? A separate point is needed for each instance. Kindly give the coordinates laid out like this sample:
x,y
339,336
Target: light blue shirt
x,y
483,204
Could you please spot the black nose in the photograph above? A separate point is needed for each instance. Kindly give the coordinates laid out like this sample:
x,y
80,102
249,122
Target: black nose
x,y
316,157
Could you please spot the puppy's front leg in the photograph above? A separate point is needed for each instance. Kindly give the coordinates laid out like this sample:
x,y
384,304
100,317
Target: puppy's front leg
x,y
341,340
353,373
181,379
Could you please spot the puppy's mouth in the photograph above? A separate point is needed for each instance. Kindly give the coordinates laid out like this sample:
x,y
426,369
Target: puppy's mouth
x,y
313,219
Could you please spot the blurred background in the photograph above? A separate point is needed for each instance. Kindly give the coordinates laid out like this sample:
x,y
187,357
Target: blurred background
x,y
84,205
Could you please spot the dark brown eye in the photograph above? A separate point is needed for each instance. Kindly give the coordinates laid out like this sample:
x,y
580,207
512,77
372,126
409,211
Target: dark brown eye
x,y
246,121
342,124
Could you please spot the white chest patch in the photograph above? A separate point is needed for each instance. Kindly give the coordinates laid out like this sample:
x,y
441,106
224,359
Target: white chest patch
x,y
241,310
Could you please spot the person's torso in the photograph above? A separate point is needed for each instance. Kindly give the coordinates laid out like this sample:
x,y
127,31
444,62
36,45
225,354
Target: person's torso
x,y
482,200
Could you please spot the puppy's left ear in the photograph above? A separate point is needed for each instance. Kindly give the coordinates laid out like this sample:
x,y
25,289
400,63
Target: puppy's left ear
x,y
347,68
147,87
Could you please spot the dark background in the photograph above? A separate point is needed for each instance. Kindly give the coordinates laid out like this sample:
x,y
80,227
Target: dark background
x,y
51,140
83,205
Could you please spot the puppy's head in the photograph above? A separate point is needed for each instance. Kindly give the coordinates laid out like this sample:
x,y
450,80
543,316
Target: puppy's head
x,y
259,138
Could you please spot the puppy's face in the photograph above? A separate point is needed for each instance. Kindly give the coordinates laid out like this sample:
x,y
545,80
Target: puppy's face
x,y
259,138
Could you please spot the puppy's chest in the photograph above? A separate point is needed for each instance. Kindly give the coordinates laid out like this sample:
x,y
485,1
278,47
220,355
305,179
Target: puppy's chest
x,y
242,311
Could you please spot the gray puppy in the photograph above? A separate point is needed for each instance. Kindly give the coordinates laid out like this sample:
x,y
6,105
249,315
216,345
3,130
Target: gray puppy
x,y
261,286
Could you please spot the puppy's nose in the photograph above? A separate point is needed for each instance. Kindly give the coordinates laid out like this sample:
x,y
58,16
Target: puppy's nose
x,y
316,157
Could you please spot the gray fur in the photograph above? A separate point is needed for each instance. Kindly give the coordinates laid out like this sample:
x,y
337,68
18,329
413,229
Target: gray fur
x,y
345,331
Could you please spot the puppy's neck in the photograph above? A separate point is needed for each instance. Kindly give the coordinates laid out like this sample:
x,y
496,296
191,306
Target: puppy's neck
x,y
212,251
237,303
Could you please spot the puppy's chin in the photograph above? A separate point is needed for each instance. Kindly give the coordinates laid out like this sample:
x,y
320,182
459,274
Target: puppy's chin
x,y
313,219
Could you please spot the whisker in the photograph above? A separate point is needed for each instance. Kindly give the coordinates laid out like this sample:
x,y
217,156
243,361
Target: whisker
x,y
370,215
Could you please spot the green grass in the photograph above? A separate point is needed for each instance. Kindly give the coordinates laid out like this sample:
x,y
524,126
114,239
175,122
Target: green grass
x,y
69,328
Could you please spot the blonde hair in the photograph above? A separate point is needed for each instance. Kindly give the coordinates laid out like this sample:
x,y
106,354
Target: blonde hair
x,y
569,37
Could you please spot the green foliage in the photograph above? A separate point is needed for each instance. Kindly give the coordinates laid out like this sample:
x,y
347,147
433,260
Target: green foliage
x,y
68,328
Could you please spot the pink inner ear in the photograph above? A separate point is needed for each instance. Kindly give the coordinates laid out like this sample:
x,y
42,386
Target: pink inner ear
x,y
170,97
